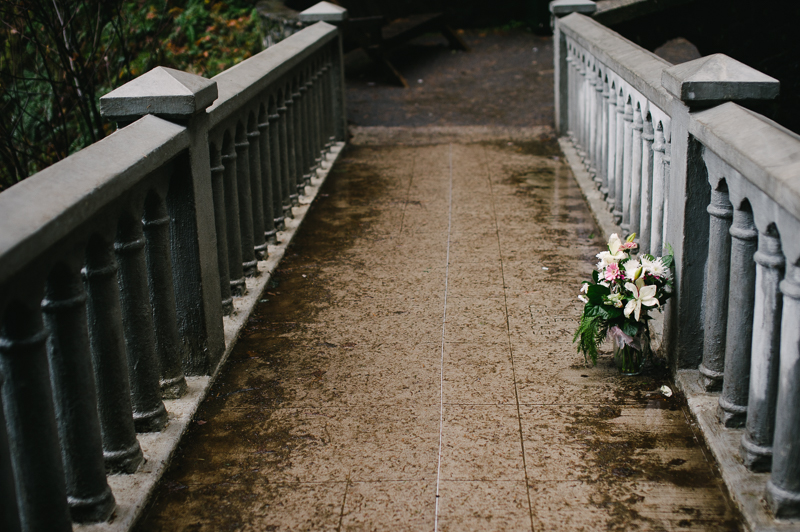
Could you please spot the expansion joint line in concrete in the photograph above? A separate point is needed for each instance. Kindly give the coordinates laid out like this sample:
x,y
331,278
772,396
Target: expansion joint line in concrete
x,y
508,335
441,358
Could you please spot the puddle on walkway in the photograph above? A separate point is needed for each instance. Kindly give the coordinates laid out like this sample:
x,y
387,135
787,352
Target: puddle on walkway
x,y
332,375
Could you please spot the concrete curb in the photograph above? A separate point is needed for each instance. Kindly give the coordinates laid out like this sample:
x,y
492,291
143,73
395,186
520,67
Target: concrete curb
x,y
746,488
132,492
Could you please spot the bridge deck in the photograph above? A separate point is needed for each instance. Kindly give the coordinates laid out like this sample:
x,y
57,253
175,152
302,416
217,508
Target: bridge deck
x,y
410,367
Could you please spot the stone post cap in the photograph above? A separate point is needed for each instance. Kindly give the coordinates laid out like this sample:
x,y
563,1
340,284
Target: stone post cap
x,y
562,8
164,92
324,11
717,78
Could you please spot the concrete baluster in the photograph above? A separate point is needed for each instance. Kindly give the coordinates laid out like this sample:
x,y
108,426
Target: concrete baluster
x,y
622,206
634,210
783,487
739,337
9,514
618,159
583,80
31,421
564,48
667,160
232,217
121,449
256,188
659,192
162,298
244,189
286,198
570,97
598,130
591,118
267,177
149,414
75,397
602,160
646,202
756,448
221,224
611,165
716,289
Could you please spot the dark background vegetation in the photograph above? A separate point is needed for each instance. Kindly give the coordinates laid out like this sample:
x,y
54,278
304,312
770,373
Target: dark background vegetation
x,y
764,35
59,56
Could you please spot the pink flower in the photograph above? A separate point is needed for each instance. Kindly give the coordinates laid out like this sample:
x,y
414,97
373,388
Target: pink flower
x,y
629,245
612,272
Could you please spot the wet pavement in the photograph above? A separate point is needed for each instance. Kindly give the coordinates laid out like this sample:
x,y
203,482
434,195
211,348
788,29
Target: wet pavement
x,y
410,367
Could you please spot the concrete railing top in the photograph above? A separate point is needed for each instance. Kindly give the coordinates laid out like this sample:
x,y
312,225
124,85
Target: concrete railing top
x,y
46,207
638,67
240,83
767,154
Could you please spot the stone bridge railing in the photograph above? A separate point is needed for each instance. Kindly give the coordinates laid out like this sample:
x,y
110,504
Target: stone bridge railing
x,y
118,264
721,185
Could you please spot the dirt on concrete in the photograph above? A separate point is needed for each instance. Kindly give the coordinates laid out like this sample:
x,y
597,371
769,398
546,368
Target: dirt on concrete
x,y
505,80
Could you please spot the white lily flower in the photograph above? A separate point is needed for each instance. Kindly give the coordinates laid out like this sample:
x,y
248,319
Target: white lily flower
x,y
615,248
642,295
633,270
584,299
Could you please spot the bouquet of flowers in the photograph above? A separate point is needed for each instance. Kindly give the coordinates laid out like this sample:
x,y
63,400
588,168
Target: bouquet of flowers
x,y
619,297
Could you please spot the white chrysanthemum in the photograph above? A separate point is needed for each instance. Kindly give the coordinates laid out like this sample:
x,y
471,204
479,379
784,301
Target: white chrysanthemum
x,y
633,270
655,267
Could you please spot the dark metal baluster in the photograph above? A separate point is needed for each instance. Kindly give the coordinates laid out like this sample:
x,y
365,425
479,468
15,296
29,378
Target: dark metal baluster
x,y
162,299
235,266
9,514
256,183
316,117
31,422
756,449
717,283
270,232
297,142
249,261
75,397
276,158
739,337
286,164
149,414
221,225
120,447
291,146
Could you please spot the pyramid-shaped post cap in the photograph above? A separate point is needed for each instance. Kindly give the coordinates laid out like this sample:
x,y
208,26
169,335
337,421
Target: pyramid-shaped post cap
x,y
718,78
324,11
164,92
562,8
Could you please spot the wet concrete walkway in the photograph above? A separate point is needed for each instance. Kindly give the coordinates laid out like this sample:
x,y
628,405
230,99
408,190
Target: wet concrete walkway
x,y
410,367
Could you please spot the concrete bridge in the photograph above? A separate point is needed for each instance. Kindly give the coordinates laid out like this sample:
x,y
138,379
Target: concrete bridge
x,y
297,330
